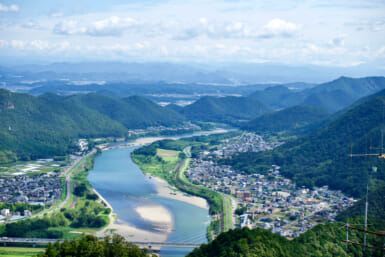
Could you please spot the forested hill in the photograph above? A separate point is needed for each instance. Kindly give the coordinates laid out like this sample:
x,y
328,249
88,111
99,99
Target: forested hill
x,y
292,120
322,157
278,97
376,206
36,127
133,112
229,109
332,96
322,240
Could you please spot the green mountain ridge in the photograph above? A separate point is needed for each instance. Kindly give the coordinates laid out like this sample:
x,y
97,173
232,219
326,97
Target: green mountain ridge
x,y
292,120
133,112
34,127
332,96
229,109
45,126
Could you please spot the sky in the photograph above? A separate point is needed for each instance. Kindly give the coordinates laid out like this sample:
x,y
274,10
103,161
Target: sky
x,y
340,33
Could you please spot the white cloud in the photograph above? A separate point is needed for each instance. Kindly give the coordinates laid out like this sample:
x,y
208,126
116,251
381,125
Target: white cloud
x,y
279,28
31,25
19,44
3,43
10,8
112,26
238,30
39,44
68,27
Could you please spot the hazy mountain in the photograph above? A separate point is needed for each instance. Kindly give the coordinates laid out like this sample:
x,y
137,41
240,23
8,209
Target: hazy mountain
x,y
332,96
340,93
221,73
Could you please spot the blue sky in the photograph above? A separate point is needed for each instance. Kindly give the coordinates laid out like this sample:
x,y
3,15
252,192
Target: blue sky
x,y
329,33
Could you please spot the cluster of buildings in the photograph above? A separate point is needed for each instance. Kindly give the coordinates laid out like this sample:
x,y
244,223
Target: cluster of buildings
x,y
43,189
6,214
268,200
246,142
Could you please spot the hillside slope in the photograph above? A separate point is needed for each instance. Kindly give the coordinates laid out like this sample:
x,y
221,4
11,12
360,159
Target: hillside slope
x,y
133,112
278,97
224,109
332,96
35,127
292,120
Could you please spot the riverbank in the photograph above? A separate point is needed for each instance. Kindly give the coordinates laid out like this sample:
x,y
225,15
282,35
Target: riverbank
x,y
171,192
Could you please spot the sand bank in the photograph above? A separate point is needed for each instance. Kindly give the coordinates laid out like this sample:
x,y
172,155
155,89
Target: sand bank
x,y
167,191
132,234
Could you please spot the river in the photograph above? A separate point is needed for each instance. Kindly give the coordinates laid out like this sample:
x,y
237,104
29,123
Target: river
x,y
121,182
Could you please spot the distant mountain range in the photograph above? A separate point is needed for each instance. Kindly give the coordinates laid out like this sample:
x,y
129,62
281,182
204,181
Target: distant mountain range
x,y
220,73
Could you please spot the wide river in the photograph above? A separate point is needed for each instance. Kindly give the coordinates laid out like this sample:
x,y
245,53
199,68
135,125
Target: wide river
x,y
121,182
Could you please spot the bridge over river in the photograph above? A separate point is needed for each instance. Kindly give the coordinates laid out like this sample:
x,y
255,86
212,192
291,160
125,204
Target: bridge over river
x,y
151,245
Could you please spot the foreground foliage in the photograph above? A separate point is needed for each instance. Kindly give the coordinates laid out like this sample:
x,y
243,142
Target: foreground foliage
x,y
91,246
322,240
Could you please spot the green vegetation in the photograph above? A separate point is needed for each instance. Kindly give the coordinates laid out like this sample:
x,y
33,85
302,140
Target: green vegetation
x,y
36,127
376,206
322,157
295,120
230,110
20,207
322,240
133,112
92,246
278,97
46,126
19,251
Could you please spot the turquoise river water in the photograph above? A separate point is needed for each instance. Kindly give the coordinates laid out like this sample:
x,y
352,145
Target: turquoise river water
x,y
121,182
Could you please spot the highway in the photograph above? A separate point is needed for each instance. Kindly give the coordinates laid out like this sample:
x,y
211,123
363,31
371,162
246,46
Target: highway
x,y
5,240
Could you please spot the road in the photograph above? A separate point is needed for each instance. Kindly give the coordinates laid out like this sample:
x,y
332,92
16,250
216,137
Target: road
x,y
47,240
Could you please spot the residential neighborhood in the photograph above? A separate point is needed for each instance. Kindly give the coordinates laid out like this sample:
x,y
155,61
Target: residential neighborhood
x,y
43,190
266,200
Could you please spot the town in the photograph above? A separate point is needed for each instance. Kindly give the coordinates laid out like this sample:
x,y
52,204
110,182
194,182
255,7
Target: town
x,y
266,200
43,190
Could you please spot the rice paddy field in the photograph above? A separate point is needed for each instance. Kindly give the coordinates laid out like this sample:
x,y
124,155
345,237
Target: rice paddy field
x,y
31,167
19,251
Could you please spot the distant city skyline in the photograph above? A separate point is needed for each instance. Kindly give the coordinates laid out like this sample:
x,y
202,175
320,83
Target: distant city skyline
x,y
328,33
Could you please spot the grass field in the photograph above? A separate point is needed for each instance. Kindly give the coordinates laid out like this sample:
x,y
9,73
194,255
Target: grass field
x,y
167,155
19,251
